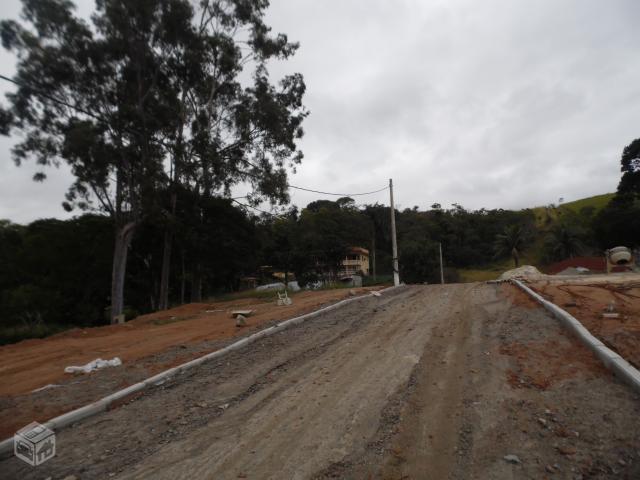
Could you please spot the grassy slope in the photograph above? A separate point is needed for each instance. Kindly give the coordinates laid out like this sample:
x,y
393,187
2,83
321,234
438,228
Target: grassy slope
x,y
545,217
598,202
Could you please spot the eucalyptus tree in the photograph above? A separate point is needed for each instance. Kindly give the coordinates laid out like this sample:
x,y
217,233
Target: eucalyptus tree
x,y
145,95
96,96
238,126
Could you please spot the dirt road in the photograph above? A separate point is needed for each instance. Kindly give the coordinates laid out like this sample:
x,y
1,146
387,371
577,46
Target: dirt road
x,y
428,382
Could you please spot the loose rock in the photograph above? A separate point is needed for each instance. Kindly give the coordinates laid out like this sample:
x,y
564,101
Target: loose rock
x,y
567,450
511,458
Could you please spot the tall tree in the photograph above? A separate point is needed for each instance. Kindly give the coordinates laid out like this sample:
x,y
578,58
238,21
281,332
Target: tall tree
x,y
242,128
151,83
99,98
630,167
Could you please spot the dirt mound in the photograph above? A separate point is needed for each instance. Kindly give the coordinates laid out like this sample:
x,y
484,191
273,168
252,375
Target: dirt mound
x,y
525,272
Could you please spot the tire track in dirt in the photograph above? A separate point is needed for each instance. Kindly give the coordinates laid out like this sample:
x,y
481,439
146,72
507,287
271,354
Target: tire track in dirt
x,y
470,402
419,435
316,412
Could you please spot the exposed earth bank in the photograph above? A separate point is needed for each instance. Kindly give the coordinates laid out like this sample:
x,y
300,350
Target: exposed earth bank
x,y
34,386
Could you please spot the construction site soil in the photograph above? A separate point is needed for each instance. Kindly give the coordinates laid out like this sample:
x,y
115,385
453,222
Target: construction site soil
x,y
146,345
425,382
587,298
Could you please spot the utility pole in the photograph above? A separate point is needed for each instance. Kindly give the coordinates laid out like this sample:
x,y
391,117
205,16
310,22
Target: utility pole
x,y
441,270
373,255
394,245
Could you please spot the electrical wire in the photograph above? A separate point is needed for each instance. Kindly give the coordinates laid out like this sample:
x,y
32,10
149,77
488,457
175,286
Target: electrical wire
x,y
338,194
255,208
95,117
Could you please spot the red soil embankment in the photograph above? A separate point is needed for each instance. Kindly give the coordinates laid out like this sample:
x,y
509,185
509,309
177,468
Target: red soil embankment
x,y
31,364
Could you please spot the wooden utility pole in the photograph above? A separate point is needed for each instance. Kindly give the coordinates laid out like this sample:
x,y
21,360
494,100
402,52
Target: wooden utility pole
x,y
394,245
373,256
441,269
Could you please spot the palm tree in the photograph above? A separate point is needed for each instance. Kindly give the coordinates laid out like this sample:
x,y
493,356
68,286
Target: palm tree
x,y
510,242
564,242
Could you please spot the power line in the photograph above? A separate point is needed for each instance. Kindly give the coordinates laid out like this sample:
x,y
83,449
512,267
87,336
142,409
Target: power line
x,y
257,177
99,119
337,194
255,208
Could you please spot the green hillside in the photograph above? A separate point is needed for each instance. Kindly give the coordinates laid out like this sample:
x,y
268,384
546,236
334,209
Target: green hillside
x,y
546,217
598,202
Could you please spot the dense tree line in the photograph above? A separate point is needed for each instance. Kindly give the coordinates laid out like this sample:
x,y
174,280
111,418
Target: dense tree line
x,y
57,272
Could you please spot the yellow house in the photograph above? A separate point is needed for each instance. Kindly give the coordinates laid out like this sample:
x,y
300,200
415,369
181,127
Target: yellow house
x,y
356,262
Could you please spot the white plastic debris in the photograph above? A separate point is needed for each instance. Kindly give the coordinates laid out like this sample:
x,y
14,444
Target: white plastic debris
x,y
96,364
47,386
376,293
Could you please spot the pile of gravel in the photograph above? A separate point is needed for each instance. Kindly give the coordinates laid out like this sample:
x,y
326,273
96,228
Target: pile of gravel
x,y
525,272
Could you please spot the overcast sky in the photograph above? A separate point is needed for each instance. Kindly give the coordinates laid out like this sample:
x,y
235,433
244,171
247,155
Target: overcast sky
x,y
483,103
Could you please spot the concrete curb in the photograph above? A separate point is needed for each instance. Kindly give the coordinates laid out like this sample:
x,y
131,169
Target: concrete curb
x,y
66,419
614,362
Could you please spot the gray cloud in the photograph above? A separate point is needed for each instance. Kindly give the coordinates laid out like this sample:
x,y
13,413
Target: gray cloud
x,y
487,104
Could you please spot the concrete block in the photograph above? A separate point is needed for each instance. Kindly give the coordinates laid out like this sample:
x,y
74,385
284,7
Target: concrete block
x,y
241,321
